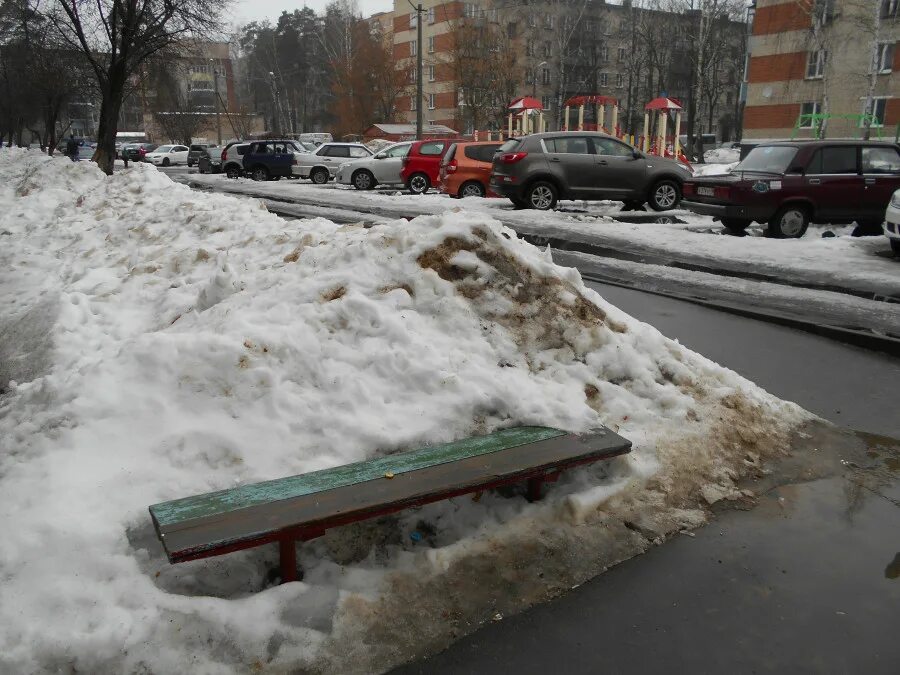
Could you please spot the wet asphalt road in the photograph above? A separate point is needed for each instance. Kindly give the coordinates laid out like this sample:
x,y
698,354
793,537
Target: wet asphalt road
x,y
809,581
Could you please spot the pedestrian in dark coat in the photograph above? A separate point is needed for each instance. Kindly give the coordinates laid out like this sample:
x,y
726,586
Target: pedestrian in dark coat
x,y
72,148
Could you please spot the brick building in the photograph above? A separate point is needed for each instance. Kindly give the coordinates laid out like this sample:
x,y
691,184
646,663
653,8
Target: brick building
x,y
561,49
822,56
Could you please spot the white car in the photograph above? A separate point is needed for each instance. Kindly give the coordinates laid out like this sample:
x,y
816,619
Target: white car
x,y
382,168
168,155
892,223
322,164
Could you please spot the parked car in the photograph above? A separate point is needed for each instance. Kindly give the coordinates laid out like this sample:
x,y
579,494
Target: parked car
x,y
322,165
168,155
210,160
789,184
892,223
231,161
535,171
196,150
264,160
382,168
466,169
422,165
137,152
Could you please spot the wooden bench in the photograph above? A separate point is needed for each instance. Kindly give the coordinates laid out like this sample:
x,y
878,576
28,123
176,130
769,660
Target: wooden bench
x,y
300,508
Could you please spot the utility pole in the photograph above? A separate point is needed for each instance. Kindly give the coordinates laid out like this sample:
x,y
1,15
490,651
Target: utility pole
x,y
420,48
218,98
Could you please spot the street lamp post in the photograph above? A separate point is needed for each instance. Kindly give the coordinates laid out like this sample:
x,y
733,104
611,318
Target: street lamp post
x,y
419,56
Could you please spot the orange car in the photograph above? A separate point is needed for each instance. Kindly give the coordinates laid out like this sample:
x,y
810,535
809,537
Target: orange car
x,y
466,169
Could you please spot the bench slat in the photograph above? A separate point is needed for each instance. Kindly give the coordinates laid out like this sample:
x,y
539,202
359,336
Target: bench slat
x,y
216,533
170,514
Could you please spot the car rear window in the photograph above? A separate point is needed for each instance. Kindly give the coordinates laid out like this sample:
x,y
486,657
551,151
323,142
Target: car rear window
x,y
431,149
768,159
880,160
198,147
837,159
510,145
450,154
242,149
481,153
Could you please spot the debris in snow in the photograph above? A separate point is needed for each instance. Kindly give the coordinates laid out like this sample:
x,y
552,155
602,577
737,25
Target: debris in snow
x,y
362,342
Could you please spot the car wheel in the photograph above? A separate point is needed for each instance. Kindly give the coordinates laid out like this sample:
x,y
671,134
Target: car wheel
x,y
518,203
319,176
541,196
895,247
472,189
260,173
232,171
790,222
735,225
418,184
363,180
166,161
190,164
664,195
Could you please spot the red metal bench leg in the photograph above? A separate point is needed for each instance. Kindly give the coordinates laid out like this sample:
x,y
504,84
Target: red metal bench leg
x,y
288,553
534,489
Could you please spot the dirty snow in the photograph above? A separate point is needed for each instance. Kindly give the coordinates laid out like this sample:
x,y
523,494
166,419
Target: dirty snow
x,y
864,264
159,342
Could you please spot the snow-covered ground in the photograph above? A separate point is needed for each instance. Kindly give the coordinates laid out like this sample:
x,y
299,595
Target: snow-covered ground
x,y
158,342
862,264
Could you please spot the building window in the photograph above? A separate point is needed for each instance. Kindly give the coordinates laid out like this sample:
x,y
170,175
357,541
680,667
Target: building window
x,y
529,49
878,108
548,49
884,57
545,102
548,21
493,15
604,53
622,54
431,15
431,44
413,47
413,19
889,8
470,10
431,101
620,80
412,103
604,79
545,76
412,74
815,64
532,21
807,110
529,76
431,73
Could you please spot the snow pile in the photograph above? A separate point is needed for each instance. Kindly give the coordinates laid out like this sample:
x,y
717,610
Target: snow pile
x,y
168,342
713,169
722,155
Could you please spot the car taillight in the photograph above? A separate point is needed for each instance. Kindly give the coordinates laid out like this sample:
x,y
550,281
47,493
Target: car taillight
x,y
451,167
512,157
722,192
687,189
142,151
224,154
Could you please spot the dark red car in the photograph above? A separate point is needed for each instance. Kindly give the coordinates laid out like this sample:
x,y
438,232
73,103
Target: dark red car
x,y
787,185
422,165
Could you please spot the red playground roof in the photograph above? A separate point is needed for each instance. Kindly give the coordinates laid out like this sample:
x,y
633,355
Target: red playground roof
x,y
664,103
592,98
525,103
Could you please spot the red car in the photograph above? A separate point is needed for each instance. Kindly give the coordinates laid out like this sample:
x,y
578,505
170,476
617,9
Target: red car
x,y
422,165
787,185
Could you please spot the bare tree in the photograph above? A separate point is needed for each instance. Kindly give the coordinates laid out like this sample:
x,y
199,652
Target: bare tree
x,y
118,36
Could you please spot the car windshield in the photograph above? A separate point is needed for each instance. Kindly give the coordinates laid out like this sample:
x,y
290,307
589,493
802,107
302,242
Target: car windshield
x,y
164,148
768,159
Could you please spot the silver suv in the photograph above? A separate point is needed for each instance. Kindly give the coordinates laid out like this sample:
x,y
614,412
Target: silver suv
x,y
322,164
535,171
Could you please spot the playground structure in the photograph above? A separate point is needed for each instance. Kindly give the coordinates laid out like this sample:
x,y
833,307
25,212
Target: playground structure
x,y
522,114
660,145
602,102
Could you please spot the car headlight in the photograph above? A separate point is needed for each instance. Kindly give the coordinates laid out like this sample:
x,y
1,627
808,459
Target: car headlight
x,y
895,200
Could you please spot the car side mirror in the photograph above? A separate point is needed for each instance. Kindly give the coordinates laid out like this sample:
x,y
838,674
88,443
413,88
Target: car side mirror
x,y
636,155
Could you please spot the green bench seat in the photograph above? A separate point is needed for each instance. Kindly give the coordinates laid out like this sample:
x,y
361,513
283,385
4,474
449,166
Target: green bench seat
x,y
303,507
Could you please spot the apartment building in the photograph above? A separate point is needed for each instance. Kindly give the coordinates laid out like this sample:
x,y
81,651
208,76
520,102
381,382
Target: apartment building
x,y
823,56
559,49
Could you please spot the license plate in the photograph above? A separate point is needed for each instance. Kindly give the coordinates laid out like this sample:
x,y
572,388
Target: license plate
x,y
706,191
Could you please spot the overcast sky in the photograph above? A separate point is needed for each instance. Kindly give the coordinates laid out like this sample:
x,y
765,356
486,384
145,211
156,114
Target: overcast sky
x,y
245,11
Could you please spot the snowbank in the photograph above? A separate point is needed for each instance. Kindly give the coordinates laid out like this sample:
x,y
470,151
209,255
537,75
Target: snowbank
x,y
163,342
